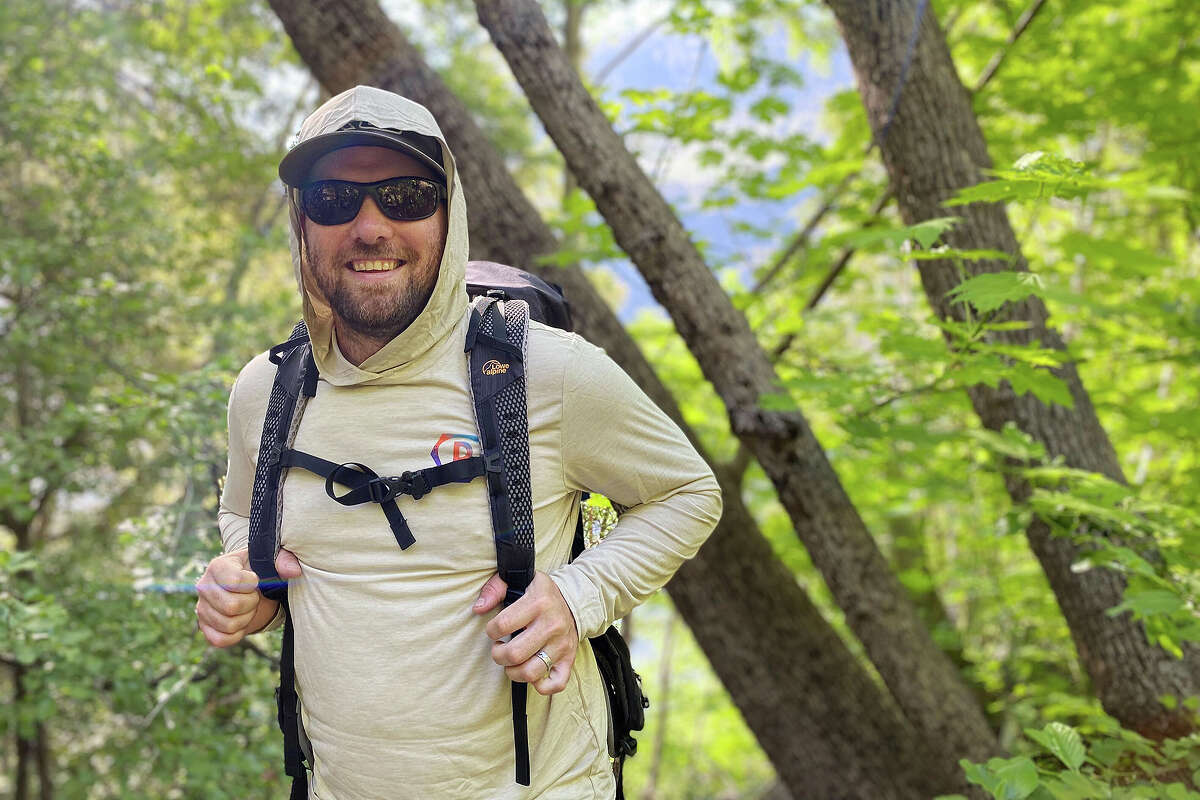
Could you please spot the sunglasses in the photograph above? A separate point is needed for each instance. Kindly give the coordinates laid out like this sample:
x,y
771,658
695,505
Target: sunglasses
x,y
406,198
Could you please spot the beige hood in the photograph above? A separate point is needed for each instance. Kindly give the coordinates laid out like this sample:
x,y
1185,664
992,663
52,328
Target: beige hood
x,y
449,299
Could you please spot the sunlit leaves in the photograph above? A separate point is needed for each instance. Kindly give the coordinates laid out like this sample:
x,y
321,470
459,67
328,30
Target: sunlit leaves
x,y
584,236
989,291
1111,763
130,186
922,233
1061,740
690,117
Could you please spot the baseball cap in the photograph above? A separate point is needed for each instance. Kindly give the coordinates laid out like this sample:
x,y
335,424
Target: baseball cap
x,y
369,110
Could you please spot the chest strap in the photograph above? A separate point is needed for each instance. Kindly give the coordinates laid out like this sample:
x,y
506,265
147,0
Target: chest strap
x,y
367,486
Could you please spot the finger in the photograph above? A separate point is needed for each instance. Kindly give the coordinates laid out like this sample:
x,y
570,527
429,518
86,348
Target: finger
x,y
228,573
218,602
218,639
521,648
491,595
515,617
241,582
287,565
241,556
553,683
534,673
223,623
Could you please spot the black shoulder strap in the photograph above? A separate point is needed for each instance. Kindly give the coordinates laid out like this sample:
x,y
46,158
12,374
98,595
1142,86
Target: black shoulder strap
x,y
496,343
295,382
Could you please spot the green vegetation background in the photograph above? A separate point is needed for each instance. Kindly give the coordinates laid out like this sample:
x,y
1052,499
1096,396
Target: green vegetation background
x,y
143,260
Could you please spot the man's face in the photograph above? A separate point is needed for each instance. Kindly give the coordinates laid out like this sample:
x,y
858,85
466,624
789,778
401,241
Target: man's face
x,y
376,273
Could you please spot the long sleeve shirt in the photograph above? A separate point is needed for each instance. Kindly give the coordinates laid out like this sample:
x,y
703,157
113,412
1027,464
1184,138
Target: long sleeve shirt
x,y
400,696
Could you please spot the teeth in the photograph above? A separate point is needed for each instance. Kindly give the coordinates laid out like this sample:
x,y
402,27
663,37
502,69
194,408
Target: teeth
x,y
374,266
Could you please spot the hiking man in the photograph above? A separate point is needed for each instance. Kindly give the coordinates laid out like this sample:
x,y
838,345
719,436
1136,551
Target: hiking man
x,y
403,660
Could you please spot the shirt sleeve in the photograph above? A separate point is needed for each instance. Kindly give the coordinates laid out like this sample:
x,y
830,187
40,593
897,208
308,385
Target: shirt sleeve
x,y
618,443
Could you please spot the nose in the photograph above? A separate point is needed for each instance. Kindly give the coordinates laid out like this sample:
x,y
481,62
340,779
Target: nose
x,y
371,226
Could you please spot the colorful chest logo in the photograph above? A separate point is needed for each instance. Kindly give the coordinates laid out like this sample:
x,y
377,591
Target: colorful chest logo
x,y
454,447
494,367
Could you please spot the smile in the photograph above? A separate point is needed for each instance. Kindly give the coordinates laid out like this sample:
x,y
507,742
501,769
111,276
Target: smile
x,y
377,265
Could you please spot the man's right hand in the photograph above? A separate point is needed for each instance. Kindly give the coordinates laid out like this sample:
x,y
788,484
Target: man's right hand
x,y
229,605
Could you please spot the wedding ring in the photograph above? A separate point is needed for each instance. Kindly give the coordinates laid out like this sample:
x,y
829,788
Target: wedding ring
x,y
545,660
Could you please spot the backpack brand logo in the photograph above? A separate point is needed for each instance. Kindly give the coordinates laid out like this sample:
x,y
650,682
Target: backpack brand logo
x,y
494,367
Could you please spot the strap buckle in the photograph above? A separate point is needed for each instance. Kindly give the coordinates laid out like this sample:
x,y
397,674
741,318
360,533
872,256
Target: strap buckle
x,y
383,489
415,484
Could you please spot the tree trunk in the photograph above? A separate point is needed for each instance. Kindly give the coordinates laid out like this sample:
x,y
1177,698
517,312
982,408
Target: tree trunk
x,y
44,764
662,710
827,727
926,686
932,148
26,747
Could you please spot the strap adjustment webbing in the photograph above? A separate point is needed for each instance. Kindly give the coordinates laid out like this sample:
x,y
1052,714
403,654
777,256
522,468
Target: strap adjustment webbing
x,y
367,486
287,714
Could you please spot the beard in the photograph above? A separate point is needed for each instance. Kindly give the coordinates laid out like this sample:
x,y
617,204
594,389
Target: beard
x,y
378,312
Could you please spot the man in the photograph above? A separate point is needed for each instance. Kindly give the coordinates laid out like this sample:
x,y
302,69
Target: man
x,y
403,664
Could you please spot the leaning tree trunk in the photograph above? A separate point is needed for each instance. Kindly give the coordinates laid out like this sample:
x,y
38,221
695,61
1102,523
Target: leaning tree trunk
x,y
923,681
829,730
933,147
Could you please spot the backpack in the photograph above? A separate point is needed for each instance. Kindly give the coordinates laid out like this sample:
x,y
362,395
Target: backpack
x,y
505,299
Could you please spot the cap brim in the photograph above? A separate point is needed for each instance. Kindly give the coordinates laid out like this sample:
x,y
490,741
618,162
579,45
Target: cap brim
x,y
295,166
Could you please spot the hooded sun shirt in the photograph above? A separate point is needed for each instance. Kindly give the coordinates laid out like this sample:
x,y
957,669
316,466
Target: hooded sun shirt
x,y
400,696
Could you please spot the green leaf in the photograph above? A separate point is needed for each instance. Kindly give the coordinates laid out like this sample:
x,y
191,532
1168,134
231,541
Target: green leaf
x,y
1177,791
768,108
1006,779
1061,740
1012,442
1149,602
777,402
995,191
923,233
988,291
1042,163
1020,776
940,253
1045,385
1076,786
927,232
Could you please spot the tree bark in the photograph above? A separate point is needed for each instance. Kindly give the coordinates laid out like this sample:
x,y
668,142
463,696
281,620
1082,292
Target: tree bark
x,y
922,680
662,710
932,148
827,727
45,764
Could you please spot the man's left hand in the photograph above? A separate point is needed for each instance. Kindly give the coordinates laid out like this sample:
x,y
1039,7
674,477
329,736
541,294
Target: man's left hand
x,y
549,627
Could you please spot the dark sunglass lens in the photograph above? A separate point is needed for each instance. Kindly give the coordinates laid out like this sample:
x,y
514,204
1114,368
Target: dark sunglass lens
x,y
332,202
408,198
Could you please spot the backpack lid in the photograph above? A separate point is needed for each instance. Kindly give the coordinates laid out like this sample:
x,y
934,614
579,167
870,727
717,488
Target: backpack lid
x,y
546,302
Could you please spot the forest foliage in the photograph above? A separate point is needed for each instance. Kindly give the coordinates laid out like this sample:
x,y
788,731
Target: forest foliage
x,y
143,260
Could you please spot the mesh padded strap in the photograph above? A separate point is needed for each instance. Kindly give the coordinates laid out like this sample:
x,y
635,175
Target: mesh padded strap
x,y
498,388
496,342
295,382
